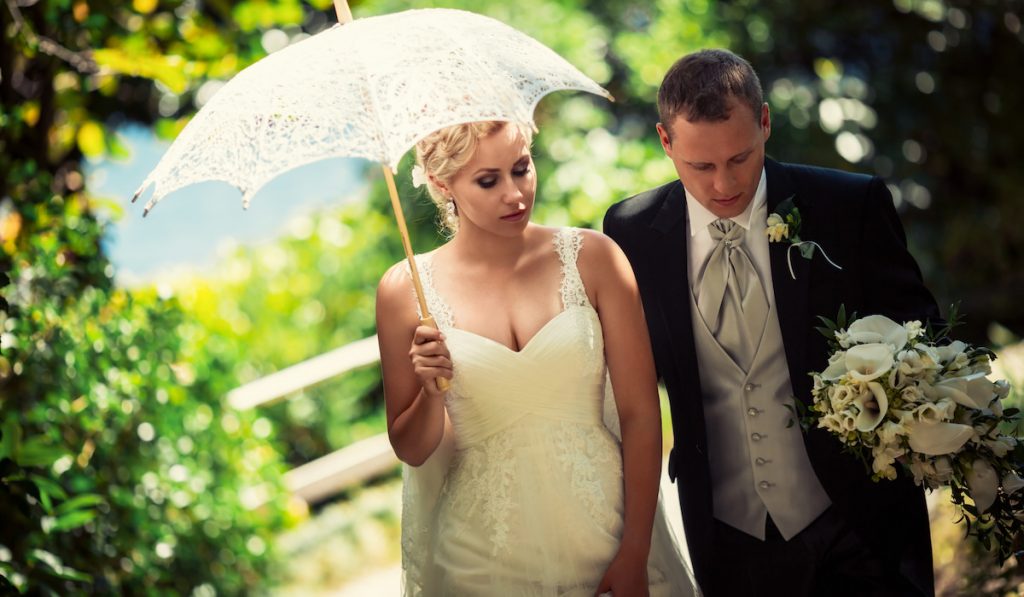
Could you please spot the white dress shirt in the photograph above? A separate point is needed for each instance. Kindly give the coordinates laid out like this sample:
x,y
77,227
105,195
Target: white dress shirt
x,y
754,220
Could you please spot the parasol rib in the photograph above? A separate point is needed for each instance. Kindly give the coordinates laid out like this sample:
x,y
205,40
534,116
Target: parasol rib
x,y
345,16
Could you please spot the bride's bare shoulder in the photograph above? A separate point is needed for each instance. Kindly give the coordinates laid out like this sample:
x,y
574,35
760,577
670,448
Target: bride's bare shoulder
x,y
395,293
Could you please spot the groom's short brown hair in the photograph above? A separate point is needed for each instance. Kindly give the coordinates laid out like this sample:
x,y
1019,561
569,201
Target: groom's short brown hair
x,y
699,85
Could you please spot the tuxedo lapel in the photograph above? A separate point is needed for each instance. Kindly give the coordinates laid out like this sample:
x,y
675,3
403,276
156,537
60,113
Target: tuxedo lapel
x,y
791,289
673,292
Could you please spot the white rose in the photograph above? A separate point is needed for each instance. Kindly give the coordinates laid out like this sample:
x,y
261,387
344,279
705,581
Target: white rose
x,y
982,483
872,404
831,423
884,457
419,177
878,329
842,395
912,394
936,439
867,362
847,422
911,363
890,432
928,413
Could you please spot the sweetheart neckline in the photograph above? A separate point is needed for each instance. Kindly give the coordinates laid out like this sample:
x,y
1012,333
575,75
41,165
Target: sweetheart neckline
x,y
529,342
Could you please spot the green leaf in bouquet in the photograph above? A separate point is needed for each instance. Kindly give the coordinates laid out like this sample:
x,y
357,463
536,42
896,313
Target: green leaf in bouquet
x,y
829,328
953,320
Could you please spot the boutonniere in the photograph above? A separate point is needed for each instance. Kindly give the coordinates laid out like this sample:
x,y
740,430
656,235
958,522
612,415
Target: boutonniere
x,y
784,226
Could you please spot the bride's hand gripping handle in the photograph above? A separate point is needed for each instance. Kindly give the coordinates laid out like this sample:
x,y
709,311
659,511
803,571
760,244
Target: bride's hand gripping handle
x,y
430,357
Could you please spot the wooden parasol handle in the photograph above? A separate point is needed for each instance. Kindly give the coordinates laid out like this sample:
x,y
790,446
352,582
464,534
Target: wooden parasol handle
x,y
427,320
345,16
342,9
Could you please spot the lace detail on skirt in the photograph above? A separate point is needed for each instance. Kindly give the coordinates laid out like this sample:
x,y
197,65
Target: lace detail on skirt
x,y
587,454
483,477
568,242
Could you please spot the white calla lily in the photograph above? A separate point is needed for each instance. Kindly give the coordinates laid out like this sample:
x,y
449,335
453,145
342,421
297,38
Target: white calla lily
x,y
873,404
1012,483
974,391
867,362
878,328
982,482
936,439
836,367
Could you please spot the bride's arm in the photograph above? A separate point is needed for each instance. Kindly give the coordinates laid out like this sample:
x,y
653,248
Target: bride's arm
x,y
411,358
616,297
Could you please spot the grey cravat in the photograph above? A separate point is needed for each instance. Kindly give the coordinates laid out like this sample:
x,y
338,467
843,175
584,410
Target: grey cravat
x,y
732,300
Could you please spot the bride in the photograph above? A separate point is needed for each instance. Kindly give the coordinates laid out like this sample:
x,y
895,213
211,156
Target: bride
x,y
517,482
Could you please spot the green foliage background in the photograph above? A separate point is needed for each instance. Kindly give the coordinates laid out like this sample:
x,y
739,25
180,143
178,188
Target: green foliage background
x,y
121,467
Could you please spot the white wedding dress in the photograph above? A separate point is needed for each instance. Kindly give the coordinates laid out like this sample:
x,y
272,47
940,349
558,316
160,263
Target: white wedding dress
x,y
527,498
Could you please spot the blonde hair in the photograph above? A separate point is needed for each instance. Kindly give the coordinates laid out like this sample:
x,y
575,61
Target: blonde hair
x,y
443,153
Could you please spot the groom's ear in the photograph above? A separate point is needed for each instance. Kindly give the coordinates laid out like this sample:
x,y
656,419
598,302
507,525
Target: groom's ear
x,y
766,121
666,141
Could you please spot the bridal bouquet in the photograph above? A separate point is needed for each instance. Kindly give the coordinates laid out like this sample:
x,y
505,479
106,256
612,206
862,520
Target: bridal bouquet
x,y
902,395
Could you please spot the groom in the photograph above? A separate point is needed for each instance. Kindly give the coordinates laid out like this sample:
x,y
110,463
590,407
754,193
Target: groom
x,y
767,509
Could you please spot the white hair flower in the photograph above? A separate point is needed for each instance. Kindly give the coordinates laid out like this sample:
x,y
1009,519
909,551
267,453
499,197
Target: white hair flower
x,y
419,177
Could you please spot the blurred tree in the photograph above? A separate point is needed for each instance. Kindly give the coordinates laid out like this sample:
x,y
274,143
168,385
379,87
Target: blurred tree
x,y
118,468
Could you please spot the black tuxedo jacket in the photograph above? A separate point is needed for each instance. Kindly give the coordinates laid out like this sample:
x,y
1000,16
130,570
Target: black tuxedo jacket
x,y
853,218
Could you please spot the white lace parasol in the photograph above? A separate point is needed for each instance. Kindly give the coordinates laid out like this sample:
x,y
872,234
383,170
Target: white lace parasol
x,y
370,88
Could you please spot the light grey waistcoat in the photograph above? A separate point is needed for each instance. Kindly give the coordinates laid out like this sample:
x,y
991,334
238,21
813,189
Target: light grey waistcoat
x,y
758,465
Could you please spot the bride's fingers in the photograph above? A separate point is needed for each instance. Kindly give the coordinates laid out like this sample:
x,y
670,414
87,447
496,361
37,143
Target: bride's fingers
x,y
440,362
429,349
425,334
429,373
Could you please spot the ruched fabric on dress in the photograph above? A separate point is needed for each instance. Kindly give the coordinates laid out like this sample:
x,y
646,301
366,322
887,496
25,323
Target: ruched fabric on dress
x,y
525,497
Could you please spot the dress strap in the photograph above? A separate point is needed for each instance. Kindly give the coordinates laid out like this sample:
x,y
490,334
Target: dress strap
x,y
438,308
568,242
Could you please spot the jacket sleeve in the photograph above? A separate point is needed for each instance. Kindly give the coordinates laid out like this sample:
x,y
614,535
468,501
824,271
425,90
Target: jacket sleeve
x,y
890,276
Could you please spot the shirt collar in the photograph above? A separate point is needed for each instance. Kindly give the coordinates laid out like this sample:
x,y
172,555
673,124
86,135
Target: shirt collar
x,y
700,216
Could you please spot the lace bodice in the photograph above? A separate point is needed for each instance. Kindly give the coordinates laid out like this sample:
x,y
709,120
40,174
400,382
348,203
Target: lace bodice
x,y
532,501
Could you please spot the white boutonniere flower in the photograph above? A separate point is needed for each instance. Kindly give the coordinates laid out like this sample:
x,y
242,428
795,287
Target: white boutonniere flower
x,y
783,225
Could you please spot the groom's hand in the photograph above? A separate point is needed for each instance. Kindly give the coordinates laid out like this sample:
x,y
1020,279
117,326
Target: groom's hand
x,y
626,577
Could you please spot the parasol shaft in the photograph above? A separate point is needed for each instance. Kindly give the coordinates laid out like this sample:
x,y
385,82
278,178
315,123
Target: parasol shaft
x,y
344,14
426,319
